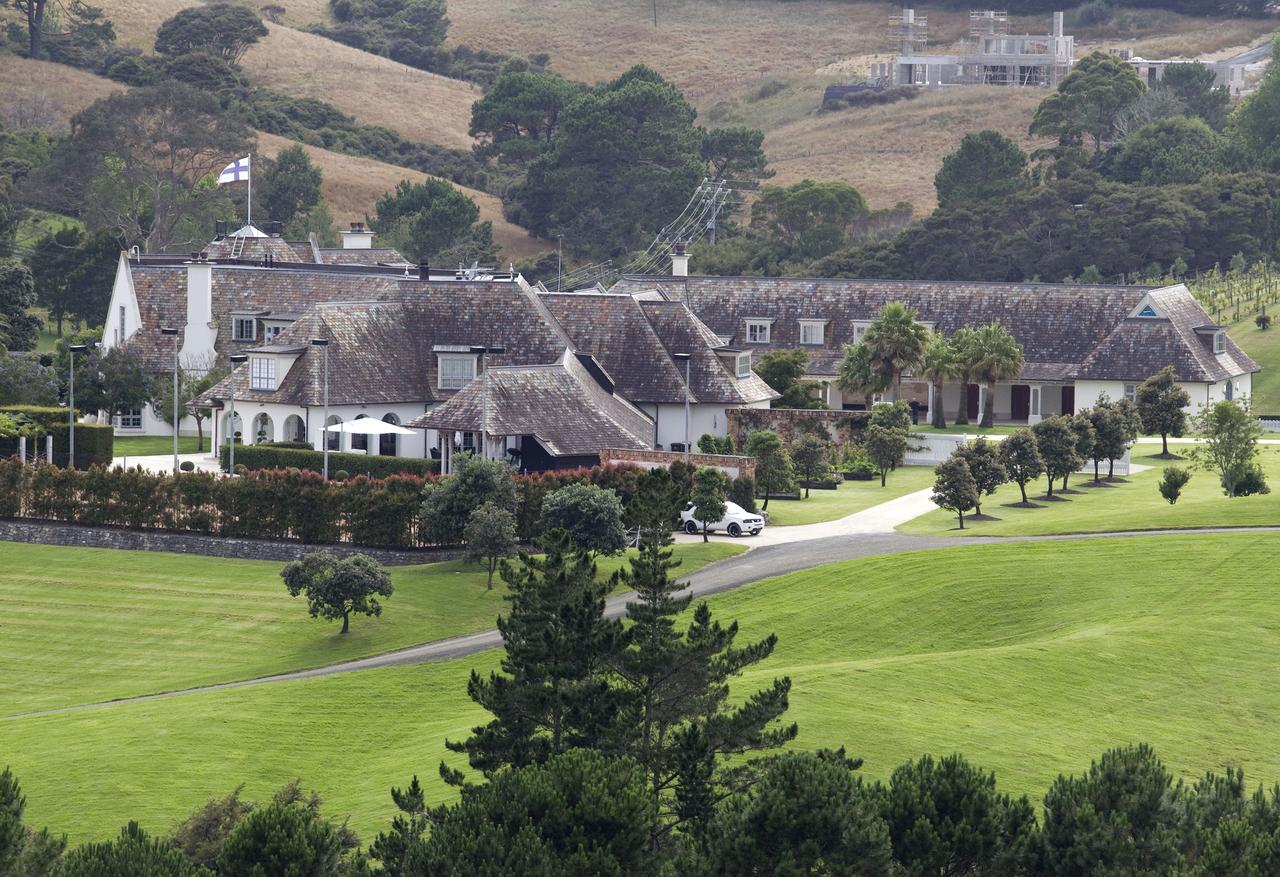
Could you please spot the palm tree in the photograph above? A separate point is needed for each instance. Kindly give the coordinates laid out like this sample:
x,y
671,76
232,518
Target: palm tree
x,y
897,341
859,374
998,357
963,347
937,367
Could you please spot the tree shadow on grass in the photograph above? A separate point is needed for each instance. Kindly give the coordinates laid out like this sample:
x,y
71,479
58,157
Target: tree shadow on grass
x,y
1021,505
1096,484
1057,497
1070,491
982,517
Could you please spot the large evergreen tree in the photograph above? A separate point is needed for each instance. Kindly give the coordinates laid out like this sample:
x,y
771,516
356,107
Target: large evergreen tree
x,y
678,714
552,693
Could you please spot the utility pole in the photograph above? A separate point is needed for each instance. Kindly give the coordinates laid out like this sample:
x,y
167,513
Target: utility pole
x,y
655,13
559,261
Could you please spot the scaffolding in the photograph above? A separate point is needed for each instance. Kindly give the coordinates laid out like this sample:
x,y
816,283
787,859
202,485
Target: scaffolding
x,y
997,58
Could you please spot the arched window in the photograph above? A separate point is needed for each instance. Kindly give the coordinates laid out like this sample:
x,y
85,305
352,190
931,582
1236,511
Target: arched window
x,y
360,442
263,429
389,445
333,438
294,429
230,428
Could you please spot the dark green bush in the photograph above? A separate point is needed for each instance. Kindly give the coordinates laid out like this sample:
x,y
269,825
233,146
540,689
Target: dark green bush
x,y
743,492
283,455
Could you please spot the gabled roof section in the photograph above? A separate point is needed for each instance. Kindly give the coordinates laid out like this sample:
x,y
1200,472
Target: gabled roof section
x,y
370,256
1139,347
384,351
633,340
1058,325
560,404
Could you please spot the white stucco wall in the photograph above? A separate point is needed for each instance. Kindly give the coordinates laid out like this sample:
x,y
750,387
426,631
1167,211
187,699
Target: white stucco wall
x,y
415,445
703,419
122,296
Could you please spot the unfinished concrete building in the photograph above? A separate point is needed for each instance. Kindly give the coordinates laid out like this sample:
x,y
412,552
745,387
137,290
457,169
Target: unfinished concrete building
x,y
997,57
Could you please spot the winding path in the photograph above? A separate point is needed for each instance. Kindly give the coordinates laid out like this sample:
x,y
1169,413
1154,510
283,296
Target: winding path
x,y
809,546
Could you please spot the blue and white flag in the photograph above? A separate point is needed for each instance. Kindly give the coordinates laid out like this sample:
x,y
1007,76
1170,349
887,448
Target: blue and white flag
x,y
236,172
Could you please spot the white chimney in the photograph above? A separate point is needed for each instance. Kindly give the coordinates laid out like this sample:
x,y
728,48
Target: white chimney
x,y
1057,25
200,332
358,238
679,262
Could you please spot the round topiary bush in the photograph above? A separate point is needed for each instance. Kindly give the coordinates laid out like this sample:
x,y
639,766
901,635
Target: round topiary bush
x,y
187,466
241,469
341,475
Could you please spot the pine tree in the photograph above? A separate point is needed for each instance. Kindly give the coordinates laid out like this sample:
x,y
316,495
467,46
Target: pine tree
x,y
551,694
400,850
678,721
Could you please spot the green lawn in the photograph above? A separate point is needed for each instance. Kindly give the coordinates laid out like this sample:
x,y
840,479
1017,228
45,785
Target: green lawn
x,y
1132,504
1264,347
154,445
97,624
1030,659
849,497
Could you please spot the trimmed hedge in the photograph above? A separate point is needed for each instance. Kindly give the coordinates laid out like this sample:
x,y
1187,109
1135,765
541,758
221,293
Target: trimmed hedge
x,y
270,504
95,442
276,456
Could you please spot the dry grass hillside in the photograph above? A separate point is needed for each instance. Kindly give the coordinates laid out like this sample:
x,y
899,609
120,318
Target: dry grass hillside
x,y
62,91
352,185
891,153
377,91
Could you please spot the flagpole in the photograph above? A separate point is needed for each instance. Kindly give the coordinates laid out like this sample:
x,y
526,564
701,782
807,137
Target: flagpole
x,y
248,207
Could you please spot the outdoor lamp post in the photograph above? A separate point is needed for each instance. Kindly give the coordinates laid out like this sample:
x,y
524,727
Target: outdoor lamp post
x,y
174,332
484,397
686,358
236,359
323,344
71,403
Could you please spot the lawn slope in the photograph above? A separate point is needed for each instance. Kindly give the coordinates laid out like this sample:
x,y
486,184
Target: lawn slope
x,y
1128,504
1031,659
86,625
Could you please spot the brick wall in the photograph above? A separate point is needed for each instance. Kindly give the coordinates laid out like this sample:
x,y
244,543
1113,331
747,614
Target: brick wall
x,y
54,533
734,466
841,427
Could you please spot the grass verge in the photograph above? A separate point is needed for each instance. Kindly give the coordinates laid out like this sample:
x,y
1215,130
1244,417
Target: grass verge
x,y
1133,503
848,498
87,625
993,650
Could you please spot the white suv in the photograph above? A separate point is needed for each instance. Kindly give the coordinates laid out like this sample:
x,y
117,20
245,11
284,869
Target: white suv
x,y
736,521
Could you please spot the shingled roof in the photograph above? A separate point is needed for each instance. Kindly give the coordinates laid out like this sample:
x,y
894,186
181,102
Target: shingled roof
x,y
561,405
1141,346
633,340
383,351
1060,326
356,256
161,292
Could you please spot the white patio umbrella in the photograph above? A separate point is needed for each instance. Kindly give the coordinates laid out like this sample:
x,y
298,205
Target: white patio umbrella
x,y
369,426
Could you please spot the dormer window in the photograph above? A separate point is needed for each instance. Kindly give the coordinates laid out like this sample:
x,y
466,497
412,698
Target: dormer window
x,y
813,332
742,366
1219,342
456,370
244,329
262,373
860,329
758,331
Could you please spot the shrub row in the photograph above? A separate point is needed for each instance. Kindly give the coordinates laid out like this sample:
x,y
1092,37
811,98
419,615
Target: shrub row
x,y
270,504
95,442
255,457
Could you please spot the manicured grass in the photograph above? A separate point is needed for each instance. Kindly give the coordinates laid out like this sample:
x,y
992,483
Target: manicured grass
x,y
1264,347
1030,659
92,624
1130,504
849,497
155,445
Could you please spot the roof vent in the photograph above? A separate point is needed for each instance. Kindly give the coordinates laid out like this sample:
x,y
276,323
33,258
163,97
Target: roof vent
x,y
424,269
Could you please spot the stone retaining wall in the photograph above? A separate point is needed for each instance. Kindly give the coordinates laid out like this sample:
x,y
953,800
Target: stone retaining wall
x,y
58,533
